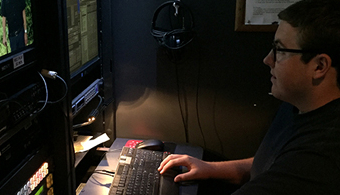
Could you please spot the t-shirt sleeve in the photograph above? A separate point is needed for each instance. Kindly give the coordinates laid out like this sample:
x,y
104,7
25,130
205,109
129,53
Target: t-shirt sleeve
x,y
296,173
3,10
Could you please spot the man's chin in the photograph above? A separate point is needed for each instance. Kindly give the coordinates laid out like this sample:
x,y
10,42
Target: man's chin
x,y
274,93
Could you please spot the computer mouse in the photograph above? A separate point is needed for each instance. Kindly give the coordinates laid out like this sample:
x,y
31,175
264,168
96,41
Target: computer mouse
x,y
151,144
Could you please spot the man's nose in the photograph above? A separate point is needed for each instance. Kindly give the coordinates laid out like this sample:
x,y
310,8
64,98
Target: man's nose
x,y
269,59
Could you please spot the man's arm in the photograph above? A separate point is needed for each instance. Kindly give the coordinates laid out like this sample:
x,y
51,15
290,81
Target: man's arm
x,y
4,38
235,171
25,25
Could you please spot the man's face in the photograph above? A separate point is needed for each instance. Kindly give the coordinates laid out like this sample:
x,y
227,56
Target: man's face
x,y
290,76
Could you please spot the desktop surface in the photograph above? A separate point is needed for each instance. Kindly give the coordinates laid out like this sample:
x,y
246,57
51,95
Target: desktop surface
x,y
100,183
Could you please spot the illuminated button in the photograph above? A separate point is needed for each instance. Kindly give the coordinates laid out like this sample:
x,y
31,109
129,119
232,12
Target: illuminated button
x,y
45,165
50,191
26,188
28,185
36,175
39,176
35,180
31,182
49,181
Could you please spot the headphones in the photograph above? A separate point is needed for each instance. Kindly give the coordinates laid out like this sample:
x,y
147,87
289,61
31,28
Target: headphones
x,y
174,38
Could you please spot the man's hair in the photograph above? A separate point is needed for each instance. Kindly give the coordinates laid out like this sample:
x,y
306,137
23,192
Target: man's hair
x,y
318,25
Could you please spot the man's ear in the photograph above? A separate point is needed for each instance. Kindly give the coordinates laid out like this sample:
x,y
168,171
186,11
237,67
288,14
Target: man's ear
x,y
323,63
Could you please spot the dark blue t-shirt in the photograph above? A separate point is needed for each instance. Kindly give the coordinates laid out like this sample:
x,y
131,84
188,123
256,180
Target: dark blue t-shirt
x,y
300,154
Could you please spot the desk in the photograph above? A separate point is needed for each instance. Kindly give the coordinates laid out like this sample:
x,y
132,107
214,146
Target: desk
x,y
100,183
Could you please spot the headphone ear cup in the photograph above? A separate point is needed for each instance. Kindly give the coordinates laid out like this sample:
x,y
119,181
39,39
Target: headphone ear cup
x,y
173,38
158,35
177,38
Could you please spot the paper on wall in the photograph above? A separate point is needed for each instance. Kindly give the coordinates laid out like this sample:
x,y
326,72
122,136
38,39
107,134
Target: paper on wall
x,y
264,12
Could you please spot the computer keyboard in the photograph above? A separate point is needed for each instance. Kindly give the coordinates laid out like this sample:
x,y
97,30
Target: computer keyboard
x,y
137,174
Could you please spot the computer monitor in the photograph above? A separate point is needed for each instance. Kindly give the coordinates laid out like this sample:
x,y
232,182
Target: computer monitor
x,y
82,34
16,35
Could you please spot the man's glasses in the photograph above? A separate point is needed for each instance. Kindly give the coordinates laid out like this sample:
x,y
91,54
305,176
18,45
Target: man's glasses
x,y
275,49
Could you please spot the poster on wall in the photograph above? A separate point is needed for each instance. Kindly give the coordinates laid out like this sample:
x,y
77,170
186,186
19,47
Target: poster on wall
x,y
264,12
259,15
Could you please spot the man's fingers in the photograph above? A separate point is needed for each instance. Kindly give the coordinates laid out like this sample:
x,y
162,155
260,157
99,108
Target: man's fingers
x,y
173,161
183,177
167,159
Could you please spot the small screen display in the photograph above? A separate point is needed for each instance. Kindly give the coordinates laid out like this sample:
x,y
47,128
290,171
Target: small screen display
x,y
82,32
41,190
16,30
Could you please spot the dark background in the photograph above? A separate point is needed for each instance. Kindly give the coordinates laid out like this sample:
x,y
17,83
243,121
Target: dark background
x,y
216,87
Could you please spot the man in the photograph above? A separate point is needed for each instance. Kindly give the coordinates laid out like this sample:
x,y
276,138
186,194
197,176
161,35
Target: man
x,y
14,12
300,153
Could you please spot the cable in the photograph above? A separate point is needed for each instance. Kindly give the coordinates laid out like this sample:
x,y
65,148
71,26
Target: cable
x,y
114,150
197,95
66,89
94,113
105,172
53,75
185,124
214,122
5,100
46,96
92,116
82,124
14,101
4,104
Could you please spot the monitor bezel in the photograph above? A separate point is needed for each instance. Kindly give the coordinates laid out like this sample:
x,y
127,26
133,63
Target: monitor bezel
x,y
95,62
28,53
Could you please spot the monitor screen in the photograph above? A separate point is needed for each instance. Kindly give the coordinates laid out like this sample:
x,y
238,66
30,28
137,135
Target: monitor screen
x,y
16,27
16,35
82,33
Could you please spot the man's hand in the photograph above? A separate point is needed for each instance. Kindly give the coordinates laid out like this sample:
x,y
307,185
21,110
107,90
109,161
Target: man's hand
x,y
197,169
234,171
4,40
26,39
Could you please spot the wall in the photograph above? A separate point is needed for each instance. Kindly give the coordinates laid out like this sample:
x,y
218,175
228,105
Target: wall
x,y
213,93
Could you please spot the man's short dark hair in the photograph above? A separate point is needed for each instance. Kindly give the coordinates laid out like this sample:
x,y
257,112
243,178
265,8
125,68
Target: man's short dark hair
x,y
318,25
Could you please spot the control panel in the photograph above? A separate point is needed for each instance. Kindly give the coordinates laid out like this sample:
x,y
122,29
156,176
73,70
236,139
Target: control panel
x,y
85,96
41,182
